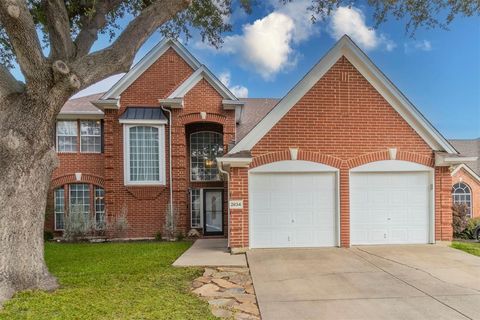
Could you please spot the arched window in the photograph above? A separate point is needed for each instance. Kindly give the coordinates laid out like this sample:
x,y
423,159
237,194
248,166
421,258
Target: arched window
x,y
461,194
205,147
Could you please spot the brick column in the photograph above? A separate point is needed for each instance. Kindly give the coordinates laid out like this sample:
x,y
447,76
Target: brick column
x,y
443,204
239,217
344,205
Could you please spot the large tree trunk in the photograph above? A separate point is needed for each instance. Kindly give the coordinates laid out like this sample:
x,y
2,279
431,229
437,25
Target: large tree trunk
x,y
27,160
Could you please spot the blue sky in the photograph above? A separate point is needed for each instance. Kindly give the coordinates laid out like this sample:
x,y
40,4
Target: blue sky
x,y
270,50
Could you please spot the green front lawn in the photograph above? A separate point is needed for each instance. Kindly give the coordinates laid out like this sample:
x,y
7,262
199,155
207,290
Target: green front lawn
x,y
470,247
113,281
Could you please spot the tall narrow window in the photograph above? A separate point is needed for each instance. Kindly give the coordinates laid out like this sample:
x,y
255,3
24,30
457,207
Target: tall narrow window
x,y
67,136
205,147
91,136
195,208
144,155
80,199
59,208
100,208
461,194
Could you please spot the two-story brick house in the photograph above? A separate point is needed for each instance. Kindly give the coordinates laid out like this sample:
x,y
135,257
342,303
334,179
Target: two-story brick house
x,y
344,158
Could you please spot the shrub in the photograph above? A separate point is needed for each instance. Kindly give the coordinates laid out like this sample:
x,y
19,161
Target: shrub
x,y
472,225
180,236
77,225
158,236
117,225
460,219
170,222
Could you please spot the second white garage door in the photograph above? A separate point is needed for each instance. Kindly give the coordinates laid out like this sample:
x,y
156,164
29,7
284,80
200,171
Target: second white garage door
x,y
389,207
292,210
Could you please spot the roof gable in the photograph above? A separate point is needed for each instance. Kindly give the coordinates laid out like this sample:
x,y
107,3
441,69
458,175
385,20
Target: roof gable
x,y
202,73
152,56
346,47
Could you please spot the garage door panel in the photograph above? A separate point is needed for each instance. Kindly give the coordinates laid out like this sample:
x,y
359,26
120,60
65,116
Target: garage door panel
x,y
299,209
389,207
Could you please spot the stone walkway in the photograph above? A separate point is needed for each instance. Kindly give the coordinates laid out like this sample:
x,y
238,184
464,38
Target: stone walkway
x,y
229,291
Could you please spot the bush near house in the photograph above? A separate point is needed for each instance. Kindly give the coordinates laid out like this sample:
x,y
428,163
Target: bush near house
x,y
132,280
460,219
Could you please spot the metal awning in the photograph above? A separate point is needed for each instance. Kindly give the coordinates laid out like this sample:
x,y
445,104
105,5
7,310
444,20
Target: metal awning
x,y
143,115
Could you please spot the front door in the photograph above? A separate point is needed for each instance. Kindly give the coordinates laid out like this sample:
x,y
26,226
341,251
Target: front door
x,y
213,212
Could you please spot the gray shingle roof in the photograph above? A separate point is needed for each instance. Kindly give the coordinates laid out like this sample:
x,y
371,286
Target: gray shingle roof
x,y
469,148
254,110
82,105
143,113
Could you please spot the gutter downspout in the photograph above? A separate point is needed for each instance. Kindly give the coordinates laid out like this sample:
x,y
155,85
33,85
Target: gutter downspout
x,y
220,168
170,155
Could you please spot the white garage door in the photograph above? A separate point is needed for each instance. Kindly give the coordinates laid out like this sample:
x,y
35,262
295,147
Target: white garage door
x,y
389,207
292,210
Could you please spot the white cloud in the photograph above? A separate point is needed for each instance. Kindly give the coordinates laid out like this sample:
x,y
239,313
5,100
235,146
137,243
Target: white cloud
x,y
422,45
351,21
101,86
238,90
266,46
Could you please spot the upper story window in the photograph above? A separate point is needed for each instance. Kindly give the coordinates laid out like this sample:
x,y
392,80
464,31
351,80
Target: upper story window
x,y
461,194
67,136
90,136
205,147
144,154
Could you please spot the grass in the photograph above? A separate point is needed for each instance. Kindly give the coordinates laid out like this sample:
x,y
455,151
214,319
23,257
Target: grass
x,y
113,281
470,247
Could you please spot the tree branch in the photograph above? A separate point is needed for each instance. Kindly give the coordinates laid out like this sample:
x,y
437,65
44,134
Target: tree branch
x,y
20,28
8,83
58,25
118,57
92,24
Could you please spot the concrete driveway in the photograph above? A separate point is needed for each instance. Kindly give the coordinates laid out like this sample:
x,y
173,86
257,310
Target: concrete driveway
x,y
374,282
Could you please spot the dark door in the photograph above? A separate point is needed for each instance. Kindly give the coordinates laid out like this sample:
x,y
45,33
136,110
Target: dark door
x,y
212,212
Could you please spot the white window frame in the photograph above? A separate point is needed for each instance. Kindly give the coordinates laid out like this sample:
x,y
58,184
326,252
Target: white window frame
x,y
469,193
80,135
98,212
190,155
126,154
55,212
57,135
200,226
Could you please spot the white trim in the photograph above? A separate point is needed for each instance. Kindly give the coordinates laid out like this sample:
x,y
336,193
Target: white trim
x,y
126,156
202,73
346,47
146,62
234,162
106,104
89,115
143,121
391,166
466,168
460,159
293,166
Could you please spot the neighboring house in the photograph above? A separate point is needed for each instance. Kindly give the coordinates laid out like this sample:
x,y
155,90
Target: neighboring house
x,y
344,158
466,177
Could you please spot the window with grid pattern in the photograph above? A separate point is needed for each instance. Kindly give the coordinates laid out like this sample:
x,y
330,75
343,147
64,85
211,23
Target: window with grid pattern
x,y
205,147
59,208
91,136
195,209
80,198
461,194
67,136
144,154
99,207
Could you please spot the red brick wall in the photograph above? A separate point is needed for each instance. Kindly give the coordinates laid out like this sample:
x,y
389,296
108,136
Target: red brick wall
x,y
344,122
147,204
474,184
